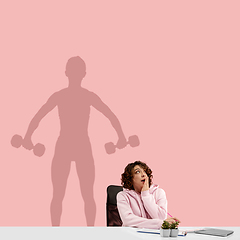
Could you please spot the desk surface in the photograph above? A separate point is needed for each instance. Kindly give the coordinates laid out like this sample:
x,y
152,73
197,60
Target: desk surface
x,y
113,233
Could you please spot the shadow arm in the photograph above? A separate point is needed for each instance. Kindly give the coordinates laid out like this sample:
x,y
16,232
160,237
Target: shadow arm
x,y
106,111
43,111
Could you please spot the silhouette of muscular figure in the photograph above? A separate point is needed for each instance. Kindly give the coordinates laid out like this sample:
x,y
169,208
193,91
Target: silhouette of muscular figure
x,y
73,143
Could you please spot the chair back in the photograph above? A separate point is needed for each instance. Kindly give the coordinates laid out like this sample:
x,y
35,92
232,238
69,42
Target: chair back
x,y
113,218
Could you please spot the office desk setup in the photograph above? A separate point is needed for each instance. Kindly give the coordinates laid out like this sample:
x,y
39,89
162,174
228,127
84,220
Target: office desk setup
x,y
106,233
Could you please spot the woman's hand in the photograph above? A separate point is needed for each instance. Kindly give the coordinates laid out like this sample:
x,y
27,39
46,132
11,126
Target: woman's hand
x,y
146,184
172,220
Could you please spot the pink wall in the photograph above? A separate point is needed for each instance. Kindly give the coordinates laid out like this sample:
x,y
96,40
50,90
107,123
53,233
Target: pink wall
x,y
169,70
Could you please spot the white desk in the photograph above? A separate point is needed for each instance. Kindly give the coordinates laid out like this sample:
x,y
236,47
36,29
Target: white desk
x,y
98,233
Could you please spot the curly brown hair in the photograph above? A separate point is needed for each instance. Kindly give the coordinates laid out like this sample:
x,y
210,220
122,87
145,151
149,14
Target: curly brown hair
x,y
127,176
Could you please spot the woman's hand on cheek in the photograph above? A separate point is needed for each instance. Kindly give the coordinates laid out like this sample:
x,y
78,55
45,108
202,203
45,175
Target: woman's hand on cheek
x,y
146,184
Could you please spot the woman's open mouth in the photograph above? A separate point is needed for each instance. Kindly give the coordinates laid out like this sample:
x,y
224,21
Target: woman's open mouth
x,y
143,180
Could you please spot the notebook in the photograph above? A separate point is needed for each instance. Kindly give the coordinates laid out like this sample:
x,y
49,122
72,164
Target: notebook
x,y
215,232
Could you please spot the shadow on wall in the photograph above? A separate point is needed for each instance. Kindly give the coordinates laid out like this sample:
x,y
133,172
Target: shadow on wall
x,y
73,143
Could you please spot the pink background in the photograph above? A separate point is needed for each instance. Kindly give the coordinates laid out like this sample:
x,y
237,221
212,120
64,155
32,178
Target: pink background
x,y
170,72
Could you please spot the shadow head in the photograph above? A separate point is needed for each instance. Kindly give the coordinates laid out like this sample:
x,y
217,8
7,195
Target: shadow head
x,y
75,69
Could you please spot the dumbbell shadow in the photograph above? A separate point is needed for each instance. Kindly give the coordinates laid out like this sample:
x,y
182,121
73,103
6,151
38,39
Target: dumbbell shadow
x,y
133,141
38,149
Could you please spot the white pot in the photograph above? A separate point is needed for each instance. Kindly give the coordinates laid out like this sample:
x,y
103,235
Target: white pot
x,y
165,232
174,232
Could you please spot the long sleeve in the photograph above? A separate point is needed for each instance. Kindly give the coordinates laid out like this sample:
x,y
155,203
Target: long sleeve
x,y
156,206
130,219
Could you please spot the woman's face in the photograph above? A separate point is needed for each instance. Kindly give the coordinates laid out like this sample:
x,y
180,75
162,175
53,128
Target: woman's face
x,y
139,176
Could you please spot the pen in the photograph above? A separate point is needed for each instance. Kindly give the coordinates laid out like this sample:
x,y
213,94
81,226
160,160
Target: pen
x,y
148,232
170,215
181,234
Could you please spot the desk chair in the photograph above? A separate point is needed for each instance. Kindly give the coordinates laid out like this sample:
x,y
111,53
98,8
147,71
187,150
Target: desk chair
x,y
113,218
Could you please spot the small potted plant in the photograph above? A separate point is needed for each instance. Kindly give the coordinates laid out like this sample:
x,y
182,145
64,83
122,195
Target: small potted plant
x,y
165,229
174,229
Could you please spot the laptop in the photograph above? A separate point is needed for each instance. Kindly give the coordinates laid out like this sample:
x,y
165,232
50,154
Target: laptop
x,y
215,232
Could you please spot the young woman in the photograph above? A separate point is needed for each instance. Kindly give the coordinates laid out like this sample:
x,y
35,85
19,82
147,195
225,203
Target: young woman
x,y
141,203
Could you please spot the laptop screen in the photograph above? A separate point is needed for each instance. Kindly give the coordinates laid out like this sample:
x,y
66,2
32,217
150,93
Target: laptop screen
x,y
215,232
